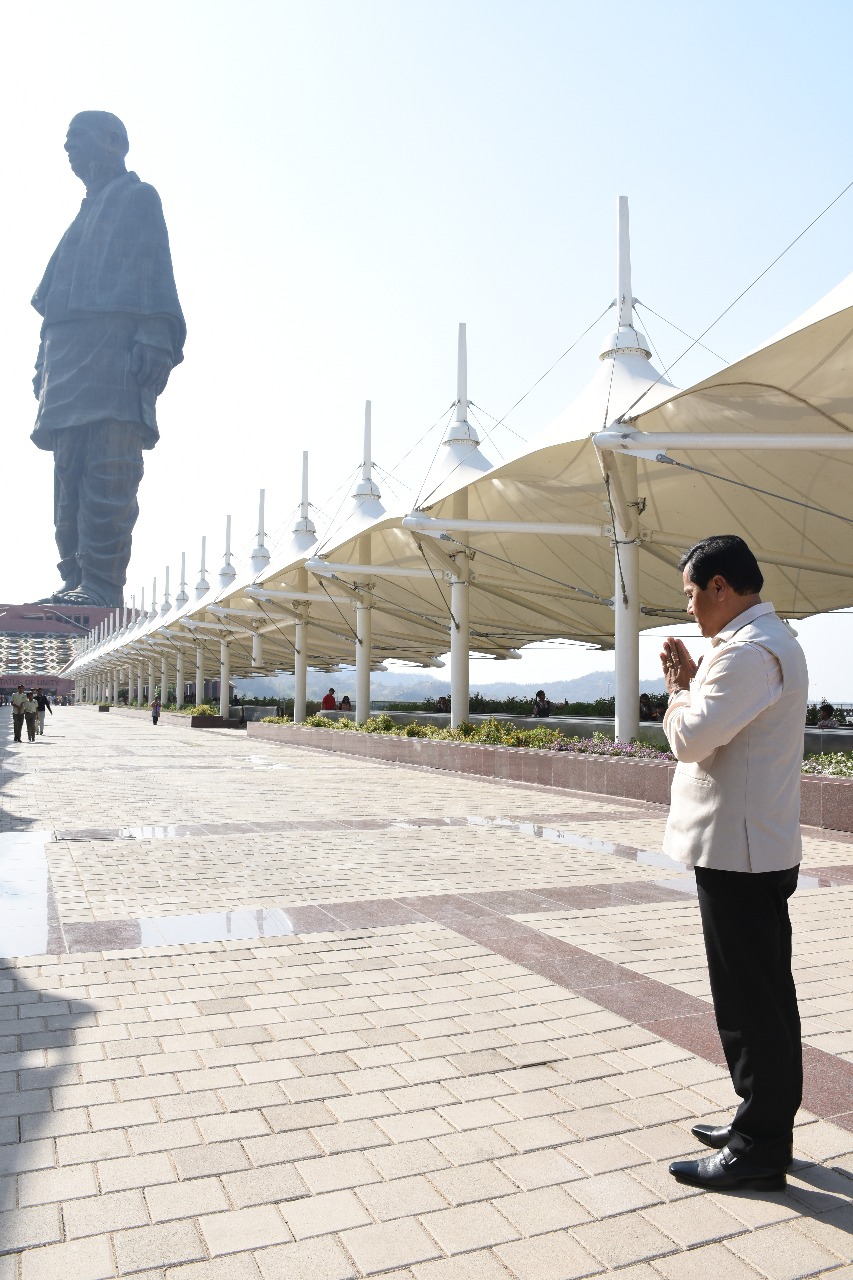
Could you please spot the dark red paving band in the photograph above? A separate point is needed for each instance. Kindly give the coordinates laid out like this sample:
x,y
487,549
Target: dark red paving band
x,y
483,918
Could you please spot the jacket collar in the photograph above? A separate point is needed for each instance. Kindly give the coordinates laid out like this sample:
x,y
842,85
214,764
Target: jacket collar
x,y
742,620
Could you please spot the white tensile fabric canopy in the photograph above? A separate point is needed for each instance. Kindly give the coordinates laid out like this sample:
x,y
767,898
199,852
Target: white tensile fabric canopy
x,y
504,556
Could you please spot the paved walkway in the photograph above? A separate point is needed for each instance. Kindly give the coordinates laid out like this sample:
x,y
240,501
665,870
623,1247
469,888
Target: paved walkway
x,y
277,1014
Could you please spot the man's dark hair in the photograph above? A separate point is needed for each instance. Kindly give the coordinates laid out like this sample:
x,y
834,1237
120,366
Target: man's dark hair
x,y
727,555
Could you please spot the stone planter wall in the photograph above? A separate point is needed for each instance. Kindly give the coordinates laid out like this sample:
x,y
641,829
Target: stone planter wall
x,y
826,802
192,722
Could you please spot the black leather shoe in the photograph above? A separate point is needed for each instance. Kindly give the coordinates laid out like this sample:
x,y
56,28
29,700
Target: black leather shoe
x,y
716,1137
725,1172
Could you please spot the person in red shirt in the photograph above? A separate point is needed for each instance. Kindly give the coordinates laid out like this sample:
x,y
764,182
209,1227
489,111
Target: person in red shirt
x,y
328,703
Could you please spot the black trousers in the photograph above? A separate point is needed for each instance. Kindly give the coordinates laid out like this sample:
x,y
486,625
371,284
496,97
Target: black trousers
x,y
748,943
97,470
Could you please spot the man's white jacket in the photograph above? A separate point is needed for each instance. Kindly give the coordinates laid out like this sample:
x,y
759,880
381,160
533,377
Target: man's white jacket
x,y
737,734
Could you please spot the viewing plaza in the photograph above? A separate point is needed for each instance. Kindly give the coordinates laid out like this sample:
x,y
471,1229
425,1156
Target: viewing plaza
x,y
269,1012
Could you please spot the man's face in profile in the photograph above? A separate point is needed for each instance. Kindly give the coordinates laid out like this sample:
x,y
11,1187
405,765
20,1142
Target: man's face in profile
x,y
86,146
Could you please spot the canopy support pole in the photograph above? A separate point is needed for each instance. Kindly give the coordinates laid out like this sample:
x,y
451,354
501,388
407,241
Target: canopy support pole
x,y
626,604
179,680
199,674
224,679
363,627
300,669
364,632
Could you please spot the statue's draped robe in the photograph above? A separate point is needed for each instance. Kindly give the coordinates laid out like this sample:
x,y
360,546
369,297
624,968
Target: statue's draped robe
x,y
108,286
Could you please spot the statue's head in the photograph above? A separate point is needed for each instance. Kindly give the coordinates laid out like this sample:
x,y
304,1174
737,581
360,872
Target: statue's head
x,y
96,143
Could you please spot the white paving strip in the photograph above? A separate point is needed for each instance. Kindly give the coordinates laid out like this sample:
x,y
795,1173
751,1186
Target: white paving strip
x,y
23,892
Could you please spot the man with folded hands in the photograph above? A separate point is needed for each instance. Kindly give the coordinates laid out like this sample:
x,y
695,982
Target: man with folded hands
x,y
735,725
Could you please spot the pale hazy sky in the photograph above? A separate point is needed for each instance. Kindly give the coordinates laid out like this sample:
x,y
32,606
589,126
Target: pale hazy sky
x,y
345,180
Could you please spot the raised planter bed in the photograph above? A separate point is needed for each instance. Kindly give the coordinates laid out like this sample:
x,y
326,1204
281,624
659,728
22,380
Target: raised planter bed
x,y
194,722
826,802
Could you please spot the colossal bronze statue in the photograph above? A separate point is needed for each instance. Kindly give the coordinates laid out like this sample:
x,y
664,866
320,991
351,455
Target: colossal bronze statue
x,y
112,333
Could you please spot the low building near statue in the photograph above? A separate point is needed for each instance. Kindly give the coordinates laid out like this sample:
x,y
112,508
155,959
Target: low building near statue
x,y
36,642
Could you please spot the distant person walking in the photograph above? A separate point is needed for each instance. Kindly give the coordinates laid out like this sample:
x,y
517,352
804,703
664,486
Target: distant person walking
x,y
31,716
19,698
43,702
155,708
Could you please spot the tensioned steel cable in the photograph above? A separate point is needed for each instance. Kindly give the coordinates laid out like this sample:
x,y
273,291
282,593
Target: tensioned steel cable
x,y
696,341
500,421
484,429
651,311
375,595
496,421
567,586
743,484
622,586
437,587
277,626
333,601
420,441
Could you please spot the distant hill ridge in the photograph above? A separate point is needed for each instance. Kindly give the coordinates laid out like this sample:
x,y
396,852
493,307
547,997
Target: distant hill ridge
x,y
390,687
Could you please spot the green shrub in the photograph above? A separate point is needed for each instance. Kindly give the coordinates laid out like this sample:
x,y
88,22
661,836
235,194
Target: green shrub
x,y
415,731
832,764
200,709
378,724
276,719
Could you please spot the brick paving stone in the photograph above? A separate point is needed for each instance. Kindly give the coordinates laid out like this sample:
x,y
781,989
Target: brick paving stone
x,y
47,1185
548,1209
237,1266
549,1257
27,1228
305,1260
114,1211
709,1260
474,1226
470,1183
202,1161
335,1173
90,1259
617,1243
473,1145
186,1199
610,1194
237,1230
782,1252
165,1245
400,1198
324,1214
693,1221
392,1244
85,1147
281,1148
408,1158
472,1266
264,1186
